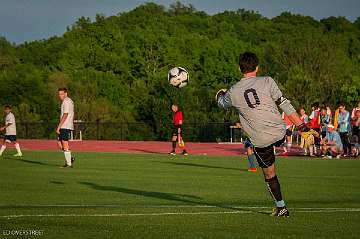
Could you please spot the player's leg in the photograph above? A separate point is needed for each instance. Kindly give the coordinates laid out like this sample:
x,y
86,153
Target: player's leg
x,y
67,153
60,144
3,146
17,147
174,139
64,138
266,160
335,151
251,159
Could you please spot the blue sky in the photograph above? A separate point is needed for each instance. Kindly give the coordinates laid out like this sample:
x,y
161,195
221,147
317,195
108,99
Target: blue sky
x,y
27,20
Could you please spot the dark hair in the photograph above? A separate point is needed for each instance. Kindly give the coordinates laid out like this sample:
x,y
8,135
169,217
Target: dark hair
x,y
248,62
316,105
63,89
341,104
7,107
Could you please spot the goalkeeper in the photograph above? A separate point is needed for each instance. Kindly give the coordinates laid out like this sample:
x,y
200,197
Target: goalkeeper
x,y
257,100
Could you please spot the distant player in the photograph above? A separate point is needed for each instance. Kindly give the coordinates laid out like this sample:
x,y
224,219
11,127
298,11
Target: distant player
x,y
250,155
65,126
257,99
10,135
177,130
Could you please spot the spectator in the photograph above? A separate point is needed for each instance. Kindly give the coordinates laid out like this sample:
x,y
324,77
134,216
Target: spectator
x,y
314,117
289,132
328,111
315,122
303,116
324,121
355,117
344,128
331,145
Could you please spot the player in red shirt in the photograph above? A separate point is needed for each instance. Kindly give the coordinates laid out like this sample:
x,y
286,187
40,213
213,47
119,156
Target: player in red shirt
x,y
177,130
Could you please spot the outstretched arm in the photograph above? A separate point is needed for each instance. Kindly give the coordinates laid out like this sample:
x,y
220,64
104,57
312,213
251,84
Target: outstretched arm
x,y
285,105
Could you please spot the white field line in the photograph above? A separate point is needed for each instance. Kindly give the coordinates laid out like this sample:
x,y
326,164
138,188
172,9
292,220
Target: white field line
x,y
162,214
296,210
160,206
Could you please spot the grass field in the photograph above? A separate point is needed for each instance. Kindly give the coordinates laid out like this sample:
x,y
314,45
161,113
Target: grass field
x,y
156,196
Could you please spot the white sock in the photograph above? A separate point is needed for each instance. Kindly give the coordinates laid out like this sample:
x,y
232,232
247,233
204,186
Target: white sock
x,y
17,146
3,147
68,157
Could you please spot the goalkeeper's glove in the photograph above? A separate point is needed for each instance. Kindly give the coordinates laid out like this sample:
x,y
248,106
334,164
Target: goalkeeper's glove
x,y
220,93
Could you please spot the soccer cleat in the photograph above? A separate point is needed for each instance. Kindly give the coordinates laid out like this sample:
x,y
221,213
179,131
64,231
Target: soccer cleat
x,y
172,153
18,155
185,153
280,212
254,170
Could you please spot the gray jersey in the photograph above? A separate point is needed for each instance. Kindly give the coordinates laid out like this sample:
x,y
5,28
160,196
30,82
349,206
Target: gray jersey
x,y
67,106
257,100
10,119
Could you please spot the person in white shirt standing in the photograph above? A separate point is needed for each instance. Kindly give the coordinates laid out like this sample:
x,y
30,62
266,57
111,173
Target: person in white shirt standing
x,y
65,126
10,135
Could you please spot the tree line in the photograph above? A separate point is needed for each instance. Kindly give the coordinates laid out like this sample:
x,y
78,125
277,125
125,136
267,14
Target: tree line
x,y
116,67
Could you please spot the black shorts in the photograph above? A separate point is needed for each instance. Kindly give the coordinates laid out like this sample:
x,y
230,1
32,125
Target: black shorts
x,y
11,138
175,130
64,135
265,156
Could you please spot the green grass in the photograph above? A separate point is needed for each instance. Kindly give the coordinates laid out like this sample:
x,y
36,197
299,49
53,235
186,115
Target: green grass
x,y
130,194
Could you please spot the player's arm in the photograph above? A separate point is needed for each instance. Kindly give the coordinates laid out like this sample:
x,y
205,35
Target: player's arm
x,y
62,120
223,98
7,124
285,105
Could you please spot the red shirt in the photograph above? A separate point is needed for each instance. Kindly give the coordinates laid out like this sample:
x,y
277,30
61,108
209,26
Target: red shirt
x,y
178,117
314,119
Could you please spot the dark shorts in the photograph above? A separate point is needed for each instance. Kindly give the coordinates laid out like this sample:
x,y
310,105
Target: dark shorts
x,y
11,138
64,135
175,130
265,156
247,143
289,132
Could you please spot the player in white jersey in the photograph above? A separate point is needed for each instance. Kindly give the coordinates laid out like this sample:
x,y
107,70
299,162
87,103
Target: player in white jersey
x,y
10,128
257,100
65,126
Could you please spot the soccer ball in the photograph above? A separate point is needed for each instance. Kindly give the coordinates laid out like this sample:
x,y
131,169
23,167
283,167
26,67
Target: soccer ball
x,y
178,77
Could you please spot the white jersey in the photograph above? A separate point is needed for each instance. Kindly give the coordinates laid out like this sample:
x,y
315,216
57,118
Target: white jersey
x,y
67,106
10,119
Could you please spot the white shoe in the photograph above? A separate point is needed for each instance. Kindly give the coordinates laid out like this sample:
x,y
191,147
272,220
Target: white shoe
x,y
18,155
338,157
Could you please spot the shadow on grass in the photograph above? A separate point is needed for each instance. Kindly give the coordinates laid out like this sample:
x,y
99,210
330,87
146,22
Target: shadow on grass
x,y
183,198
201,165
152,194
56,182
31,161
